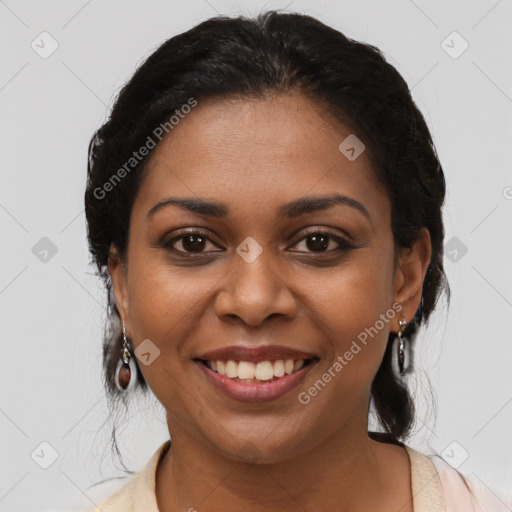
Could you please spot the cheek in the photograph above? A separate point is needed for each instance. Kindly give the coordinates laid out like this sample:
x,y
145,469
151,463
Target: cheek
x,y
168,305
165,301
163,309
354,307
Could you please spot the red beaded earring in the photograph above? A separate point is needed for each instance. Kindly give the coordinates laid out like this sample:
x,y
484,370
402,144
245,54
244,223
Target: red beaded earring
x,y
126,370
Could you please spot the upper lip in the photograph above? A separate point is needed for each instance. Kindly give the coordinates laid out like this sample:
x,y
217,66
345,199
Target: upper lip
x,y
252,353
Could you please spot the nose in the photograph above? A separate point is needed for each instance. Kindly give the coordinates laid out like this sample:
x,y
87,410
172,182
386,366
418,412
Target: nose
x,y
254,291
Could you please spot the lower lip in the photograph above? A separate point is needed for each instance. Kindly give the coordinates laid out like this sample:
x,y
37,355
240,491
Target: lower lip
x,y
256,392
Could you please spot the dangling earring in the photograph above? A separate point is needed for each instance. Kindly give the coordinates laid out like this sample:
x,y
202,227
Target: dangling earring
x,y
126,370
400,348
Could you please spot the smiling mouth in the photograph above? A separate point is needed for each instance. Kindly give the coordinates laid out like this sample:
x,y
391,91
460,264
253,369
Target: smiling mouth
x,y
257,372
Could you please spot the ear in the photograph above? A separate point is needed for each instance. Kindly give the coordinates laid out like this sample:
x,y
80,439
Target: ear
x,y
409,276
117,269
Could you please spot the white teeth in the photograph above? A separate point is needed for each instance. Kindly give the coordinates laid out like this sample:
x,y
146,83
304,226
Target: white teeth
x,y
279,368
264,370
231,369
247,371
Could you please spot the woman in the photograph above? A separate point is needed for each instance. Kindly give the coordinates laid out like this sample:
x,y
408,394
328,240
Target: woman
x,y
264,205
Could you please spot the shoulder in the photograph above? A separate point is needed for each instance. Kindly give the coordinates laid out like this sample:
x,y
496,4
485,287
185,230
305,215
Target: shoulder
x,y
122,498
138,494
460,492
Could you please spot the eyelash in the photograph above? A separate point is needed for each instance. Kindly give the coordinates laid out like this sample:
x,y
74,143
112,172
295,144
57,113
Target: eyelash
x,y
343,244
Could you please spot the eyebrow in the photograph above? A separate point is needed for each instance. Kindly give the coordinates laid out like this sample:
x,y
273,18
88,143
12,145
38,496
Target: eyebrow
x,y
290,210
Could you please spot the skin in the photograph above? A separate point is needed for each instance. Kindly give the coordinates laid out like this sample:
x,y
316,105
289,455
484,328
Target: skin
x,y
253,156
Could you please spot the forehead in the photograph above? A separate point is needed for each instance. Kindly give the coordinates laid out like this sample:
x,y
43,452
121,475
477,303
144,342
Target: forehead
x,y
257,154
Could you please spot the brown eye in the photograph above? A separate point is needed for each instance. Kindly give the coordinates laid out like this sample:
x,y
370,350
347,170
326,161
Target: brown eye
x,y
320,241
317,242
190,242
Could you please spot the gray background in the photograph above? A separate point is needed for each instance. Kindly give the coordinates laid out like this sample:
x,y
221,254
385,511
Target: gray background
x,y
52,305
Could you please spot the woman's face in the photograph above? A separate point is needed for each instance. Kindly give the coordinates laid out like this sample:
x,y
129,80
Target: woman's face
x,y
257,276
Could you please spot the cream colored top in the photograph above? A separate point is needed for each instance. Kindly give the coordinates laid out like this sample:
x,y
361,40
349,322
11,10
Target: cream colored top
x,y
436,487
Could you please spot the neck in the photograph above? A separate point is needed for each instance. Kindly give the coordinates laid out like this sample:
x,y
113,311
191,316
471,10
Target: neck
x,y
348,471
